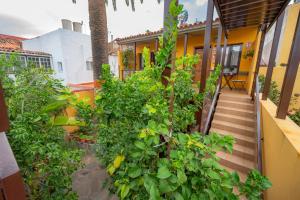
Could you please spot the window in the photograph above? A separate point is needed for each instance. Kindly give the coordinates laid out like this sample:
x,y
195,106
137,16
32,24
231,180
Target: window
x,y
233,58
89,65
45,62
60,67
34,61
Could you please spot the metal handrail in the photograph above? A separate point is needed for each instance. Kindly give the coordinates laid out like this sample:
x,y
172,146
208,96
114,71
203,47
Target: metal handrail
x,y
212,107
258,125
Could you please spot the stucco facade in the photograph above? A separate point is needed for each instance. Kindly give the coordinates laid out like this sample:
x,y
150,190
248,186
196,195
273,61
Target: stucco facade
x,y
70,52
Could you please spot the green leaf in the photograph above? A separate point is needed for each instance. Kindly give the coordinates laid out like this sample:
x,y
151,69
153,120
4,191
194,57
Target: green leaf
x,y
178,196
124,191
134,172
154,193
181,176
148,182
166,187
163,172
140,145
214,175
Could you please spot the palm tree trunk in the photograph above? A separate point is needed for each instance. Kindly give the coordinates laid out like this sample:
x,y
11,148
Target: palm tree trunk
x,y
98,26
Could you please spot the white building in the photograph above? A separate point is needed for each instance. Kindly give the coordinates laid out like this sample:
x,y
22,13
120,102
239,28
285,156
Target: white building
x,y
71,53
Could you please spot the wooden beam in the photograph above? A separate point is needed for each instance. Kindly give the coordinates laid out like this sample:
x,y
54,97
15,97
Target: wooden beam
x,y
251,9
186,36
224,52
290,74
134,51
272,60
206,54
219,50
156,44
4,124
259,55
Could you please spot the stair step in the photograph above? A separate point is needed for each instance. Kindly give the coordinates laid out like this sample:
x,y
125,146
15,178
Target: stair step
x,y
243,152
235,111
244,121
235,162
233,127
233,104
239,139
244,99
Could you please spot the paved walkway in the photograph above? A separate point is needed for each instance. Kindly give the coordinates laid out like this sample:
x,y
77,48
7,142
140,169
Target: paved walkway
x,y
88,182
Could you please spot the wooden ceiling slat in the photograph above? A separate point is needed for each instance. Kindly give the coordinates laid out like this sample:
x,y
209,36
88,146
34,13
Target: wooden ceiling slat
x,y
261,17
241,13
262,8
252,3
256,13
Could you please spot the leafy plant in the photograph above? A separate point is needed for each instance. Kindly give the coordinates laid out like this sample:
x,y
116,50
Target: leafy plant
x,y
144,139
127,58
249,54
45,160
274,93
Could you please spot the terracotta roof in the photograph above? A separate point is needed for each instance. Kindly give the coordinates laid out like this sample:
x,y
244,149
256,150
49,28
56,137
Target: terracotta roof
x,y
23,52
10,41
182,28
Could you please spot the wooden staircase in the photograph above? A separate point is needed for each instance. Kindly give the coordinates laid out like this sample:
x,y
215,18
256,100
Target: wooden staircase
x,y
235,116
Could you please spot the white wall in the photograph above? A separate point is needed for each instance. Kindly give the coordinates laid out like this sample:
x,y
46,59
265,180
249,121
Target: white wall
x,y
71,48
114,65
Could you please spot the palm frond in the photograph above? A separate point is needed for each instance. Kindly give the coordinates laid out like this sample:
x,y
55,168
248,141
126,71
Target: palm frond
x,y
114,4
132,5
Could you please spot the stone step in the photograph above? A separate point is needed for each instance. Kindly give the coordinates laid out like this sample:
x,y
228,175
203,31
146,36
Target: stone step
x,y
235,111
235,162
239,139
233,127
234,104
244,121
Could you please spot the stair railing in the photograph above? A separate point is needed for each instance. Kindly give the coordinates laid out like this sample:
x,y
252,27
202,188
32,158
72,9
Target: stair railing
x,y
258,124
213,106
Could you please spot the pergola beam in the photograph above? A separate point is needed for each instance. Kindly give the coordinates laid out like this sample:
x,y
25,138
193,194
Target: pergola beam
x,y
259,55
206,52
186,38
272,59
219,50
290,74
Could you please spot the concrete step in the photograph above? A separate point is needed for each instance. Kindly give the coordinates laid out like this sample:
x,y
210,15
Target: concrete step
x,y
234,104
235,162
235,111
243,152
239,139
244,99
244,121
233,127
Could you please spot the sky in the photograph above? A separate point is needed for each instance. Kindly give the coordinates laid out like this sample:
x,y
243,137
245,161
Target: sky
x,y
31,18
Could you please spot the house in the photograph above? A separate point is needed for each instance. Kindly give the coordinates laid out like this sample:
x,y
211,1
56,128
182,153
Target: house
x,y
13,45
191,41
71,52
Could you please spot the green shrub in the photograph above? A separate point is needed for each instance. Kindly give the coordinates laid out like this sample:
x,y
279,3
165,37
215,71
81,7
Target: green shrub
x,y
144,139
45,160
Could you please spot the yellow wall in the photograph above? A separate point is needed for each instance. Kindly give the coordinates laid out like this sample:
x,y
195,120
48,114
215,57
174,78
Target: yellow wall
x,y
237,36
281,154
284,52
71,112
